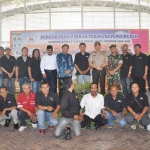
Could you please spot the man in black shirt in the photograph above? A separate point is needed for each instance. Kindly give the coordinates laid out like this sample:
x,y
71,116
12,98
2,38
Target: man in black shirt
x,y
137,105
7,65
116,107
1,55
81,64
70,109
148,76
140,67
126,70
22,68
48,105
8,108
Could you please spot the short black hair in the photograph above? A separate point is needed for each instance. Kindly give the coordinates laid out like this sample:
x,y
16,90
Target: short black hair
x,y
3,87
49,47
44,82
93,84
2,48
134,83
67,83
82,44
24,48
65,45
139,45
110,86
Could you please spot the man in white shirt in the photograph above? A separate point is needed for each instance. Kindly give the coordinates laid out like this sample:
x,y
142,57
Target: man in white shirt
x,y
49,68
93,103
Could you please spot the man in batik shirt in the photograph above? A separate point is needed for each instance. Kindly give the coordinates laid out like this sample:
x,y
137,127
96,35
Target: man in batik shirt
x,y
113,69
65,67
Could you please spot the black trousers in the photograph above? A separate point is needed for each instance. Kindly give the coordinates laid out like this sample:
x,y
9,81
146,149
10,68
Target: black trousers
x,y
99,75
61,85
141,83
99,121
52,79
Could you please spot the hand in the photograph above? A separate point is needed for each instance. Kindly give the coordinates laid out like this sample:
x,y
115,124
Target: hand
x,y
44,76
99,68
84,72
129,75
136,116
81,72
55,115
17,79
118,119
81,118
145,76
32,80
10,75
114,113
30,114
49,108
111,73
76,117
68,71
104,115
3,112
140,117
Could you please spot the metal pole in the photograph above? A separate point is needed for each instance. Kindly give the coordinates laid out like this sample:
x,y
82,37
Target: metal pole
x,y
50,25
24,14
82,23
114,14
139,15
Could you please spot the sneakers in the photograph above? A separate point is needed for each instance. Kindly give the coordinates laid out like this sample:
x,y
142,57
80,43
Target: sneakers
x,y
34,125
109,127
22,128
42,131
7,122
88,126
16,126
50,127
68,133
141,127
133,126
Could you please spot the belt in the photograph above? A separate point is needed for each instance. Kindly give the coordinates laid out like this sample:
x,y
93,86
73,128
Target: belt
x,y
50,70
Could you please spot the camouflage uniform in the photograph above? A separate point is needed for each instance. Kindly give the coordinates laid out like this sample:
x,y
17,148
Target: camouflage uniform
x,y
113,62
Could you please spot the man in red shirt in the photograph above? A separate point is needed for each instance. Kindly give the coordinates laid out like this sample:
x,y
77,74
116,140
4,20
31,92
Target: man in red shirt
x,y
26,107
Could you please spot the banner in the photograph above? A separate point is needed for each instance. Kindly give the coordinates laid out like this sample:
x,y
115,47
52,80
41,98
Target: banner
x,y
56,38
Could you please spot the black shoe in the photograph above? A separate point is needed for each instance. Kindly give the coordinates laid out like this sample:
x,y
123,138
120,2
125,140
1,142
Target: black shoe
x,y
7,122
68,134
97,128
88,126
16,126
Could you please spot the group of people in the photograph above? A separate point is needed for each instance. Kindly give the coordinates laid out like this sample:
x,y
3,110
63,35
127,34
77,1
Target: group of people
x,y
38,99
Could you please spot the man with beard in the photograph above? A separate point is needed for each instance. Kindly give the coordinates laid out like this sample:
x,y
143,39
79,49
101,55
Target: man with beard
x,y
126,70
93,103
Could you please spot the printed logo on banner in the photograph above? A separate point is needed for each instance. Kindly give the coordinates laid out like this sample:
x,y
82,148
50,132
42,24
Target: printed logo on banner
x,y
31,38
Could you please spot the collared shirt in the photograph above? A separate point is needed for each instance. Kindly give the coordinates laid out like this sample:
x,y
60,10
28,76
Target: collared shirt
x,y
34,64
22,67
139,63
10,101
142,99
70,105
48,62
92,105
51,100
64,62
98,59
81,60
117,105
8,64
114,61
27,102
127,62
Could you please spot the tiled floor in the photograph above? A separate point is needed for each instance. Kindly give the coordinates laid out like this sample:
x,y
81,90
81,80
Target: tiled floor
x,y
104,139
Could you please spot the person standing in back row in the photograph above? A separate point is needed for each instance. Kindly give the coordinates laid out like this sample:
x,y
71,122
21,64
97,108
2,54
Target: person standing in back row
x,y
140,67
49,68
98,61
22,68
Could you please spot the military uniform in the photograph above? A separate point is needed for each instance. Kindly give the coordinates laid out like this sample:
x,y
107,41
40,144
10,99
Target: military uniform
x,y
113,62
98,59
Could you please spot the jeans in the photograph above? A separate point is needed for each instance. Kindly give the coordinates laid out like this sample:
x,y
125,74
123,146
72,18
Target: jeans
x,y
22,117
43,116
64,122
83,79
12,114
126,85
23,81
10,84
52,79
1,80
110,118
36,86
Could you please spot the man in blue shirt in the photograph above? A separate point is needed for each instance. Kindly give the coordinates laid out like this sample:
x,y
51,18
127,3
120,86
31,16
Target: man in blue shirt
x,y
65,67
